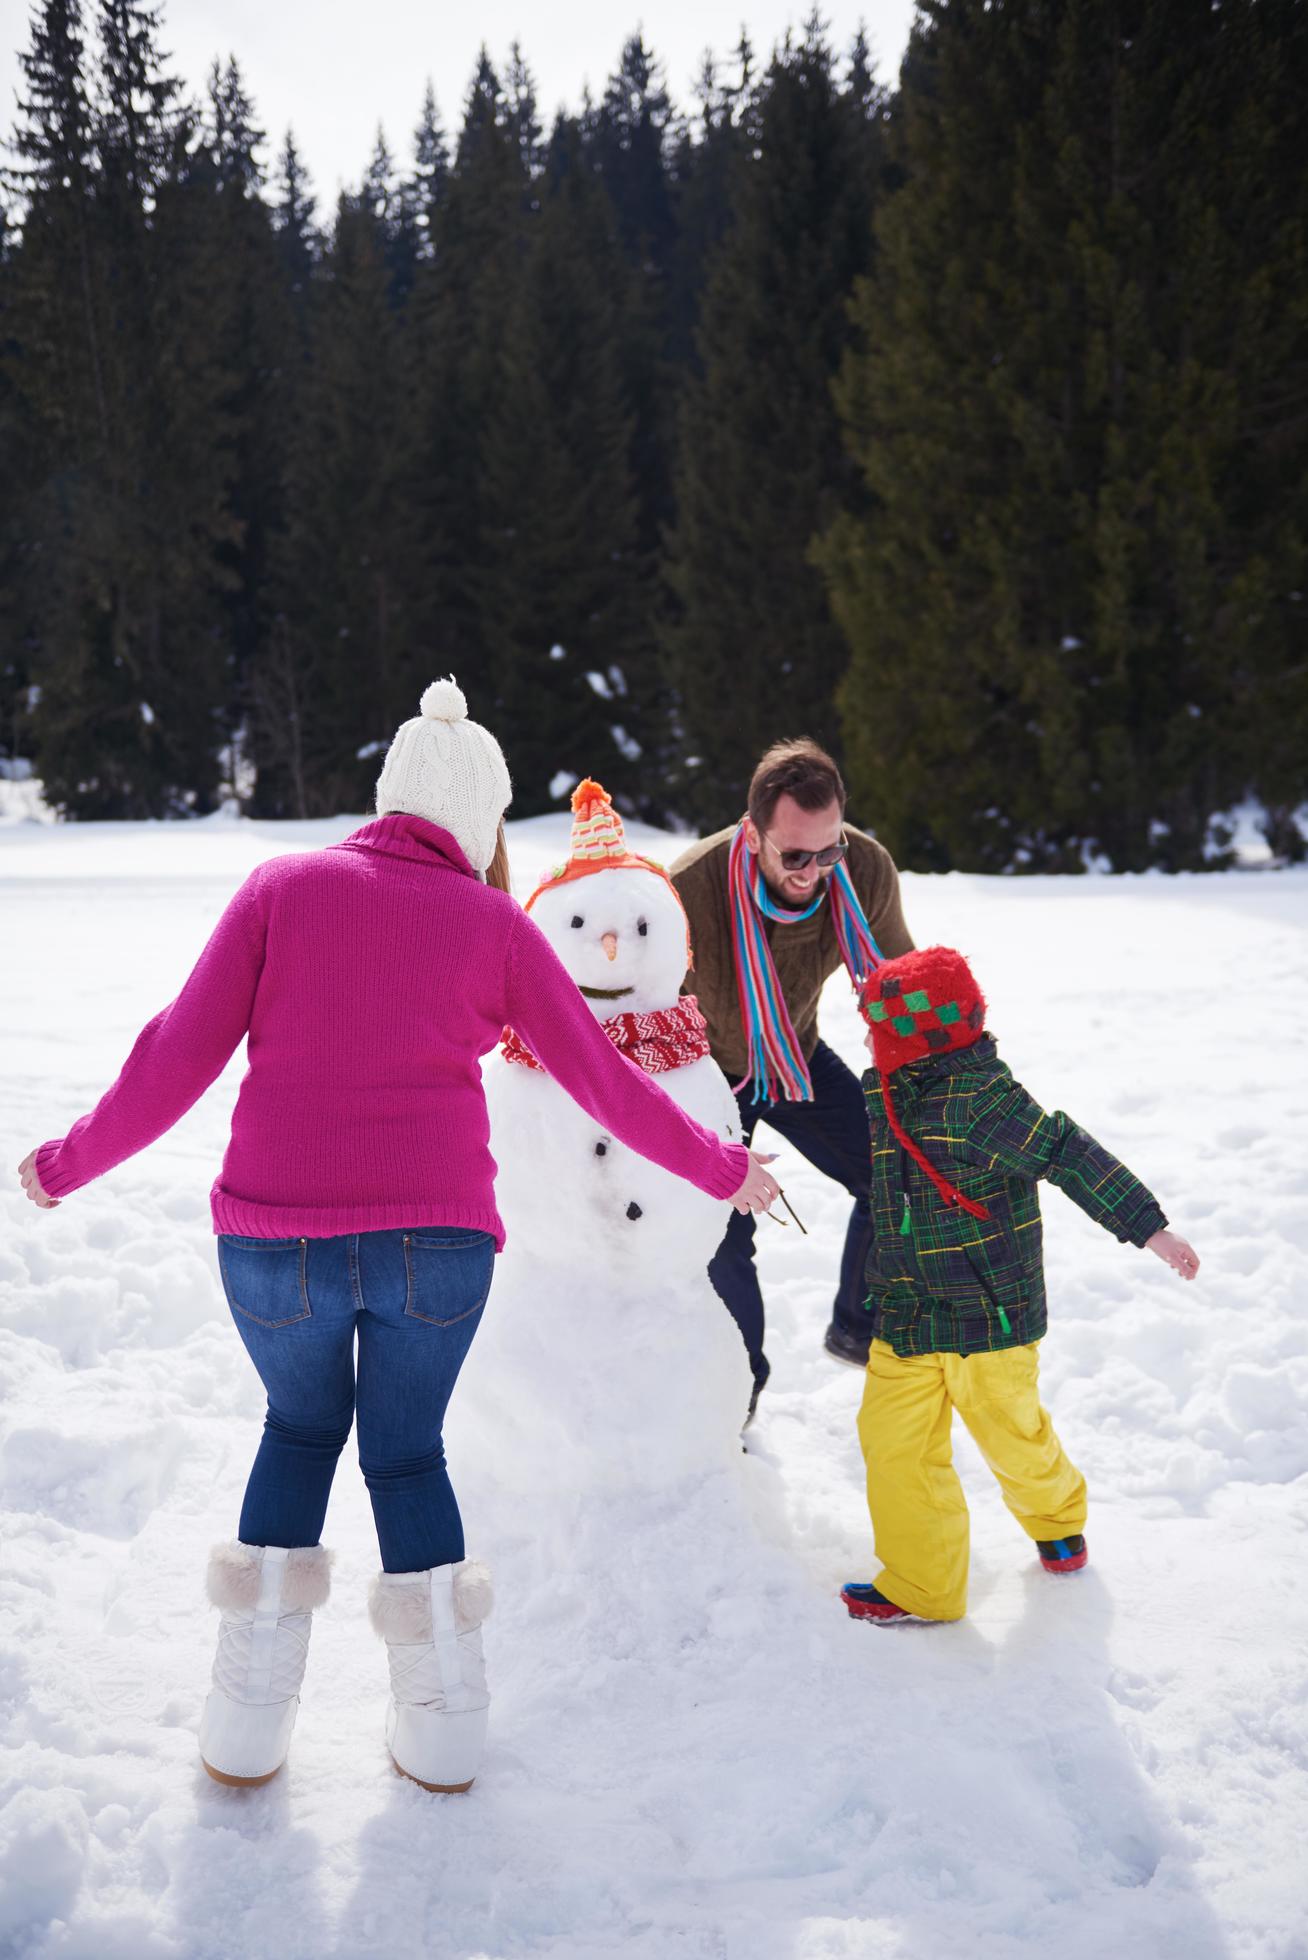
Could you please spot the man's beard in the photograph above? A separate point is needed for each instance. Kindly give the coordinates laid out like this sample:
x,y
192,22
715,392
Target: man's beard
x,y
796,900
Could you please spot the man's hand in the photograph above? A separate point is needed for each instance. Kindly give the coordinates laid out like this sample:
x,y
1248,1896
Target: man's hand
x,y
32,1183
1175,1252
760,1188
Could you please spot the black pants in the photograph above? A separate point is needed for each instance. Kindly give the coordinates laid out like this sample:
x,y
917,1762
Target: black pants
x,y
832,1132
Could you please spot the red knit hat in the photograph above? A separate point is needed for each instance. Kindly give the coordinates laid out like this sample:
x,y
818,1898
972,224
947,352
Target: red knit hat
x,y
923,1003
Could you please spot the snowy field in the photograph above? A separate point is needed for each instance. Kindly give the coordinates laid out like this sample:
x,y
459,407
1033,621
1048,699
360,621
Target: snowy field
x,y
694,1754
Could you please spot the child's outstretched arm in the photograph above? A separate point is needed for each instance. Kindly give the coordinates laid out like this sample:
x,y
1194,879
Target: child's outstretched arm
x,y
1008,1130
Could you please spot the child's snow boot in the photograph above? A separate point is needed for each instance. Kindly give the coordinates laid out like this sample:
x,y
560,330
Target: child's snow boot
x,y
268,1595
1062,1554
437,1713
866,1603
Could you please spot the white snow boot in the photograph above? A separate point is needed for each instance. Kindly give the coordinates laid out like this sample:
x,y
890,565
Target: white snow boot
x,y
437,1713
268,1594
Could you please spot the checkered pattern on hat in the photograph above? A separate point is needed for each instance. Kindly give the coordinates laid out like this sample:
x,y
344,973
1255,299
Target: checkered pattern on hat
x,y
923,1003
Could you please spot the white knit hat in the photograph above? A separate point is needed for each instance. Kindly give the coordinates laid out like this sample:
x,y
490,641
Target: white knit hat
x,y
450,770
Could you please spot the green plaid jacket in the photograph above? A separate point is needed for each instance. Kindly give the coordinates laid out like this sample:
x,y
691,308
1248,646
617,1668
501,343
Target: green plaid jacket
x,y
939,1280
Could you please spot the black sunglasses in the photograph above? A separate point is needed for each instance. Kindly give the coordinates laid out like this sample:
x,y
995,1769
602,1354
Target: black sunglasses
x,y
796,860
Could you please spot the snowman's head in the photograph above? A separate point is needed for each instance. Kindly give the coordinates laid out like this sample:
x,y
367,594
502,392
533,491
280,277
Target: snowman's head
x,y
621,934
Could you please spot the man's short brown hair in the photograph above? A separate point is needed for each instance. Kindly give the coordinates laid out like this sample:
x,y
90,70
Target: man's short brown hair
x,y
799,769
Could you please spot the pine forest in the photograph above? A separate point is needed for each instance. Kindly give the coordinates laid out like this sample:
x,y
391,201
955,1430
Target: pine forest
x,y
958,421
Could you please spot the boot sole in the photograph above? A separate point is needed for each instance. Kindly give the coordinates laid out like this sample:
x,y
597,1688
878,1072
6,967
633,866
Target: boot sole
x,y
239,1782
437,1789
868,1613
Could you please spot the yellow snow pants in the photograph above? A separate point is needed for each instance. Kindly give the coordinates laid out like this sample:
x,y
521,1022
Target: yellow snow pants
x,y
919,1513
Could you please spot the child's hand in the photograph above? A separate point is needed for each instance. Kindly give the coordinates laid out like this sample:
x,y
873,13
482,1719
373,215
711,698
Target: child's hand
x,y
1176,1252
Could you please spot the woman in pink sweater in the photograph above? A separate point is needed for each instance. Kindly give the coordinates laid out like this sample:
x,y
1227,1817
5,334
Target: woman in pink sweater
x,y
356,1196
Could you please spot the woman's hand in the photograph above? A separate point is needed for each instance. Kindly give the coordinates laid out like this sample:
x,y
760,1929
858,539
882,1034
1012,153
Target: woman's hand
x,y
32,1183
760,1187
1175,1252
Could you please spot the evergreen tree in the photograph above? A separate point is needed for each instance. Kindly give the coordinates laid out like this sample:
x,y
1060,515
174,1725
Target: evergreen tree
x,y
337,669
707,158
1070,593
423,189
752,650
256,336
55,293
293,218
128,458
384,196
231,136
141,123
563,593
460,309
628,141
15,433
52,397
522,115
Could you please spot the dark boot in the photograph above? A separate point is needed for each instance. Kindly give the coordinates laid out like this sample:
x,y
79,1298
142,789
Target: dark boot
x,y
847,1347
1062,1554
866,1603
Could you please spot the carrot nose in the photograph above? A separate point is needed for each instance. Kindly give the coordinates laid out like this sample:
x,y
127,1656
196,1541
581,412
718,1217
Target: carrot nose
x,y
609,942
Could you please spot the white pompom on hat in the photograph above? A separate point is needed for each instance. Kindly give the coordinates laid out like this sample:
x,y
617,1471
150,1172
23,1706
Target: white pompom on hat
x,y
450,770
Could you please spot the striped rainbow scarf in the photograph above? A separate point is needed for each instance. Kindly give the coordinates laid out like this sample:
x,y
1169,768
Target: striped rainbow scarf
x,y
776,1062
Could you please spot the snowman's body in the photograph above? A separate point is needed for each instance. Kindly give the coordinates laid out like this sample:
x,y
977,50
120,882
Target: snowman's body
x,y
606,1253
567,1188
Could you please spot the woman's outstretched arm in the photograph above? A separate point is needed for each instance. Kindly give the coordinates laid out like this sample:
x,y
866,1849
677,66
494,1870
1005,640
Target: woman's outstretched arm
x,y
174,1059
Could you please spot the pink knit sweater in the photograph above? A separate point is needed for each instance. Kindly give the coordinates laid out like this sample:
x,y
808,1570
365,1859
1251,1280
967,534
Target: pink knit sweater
x,y
369,977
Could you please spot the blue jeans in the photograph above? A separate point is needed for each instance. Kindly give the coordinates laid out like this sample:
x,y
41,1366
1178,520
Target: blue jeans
x,y
415,1298
832,1131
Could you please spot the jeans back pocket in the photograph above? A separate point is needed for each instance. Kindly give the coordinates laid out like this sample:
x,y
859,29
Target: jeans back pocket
x,y
448,1274
265,1280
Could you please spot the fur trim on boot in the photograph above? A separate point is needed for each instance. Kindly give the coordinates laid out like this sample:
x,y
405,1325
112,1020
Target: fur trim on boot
x,y
234,1571
400,1608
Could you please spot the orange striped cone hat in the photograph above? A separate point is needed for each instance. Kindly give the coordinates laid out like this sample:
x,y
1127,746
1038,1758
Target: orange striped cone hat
x,y
599,843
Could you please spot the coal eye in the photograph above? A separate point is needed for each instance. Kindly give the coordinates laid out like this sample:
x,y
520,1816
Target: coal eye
x,y
641,927
577,919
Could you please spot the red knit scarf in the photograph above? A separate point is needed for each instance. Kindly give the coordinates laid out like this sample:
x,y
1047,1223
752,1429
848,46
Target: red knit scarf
x,y
662,1039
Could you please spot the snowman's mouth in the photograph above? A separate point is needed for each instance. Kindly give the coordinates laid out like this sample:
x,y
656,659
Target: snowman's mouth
x,y
606,993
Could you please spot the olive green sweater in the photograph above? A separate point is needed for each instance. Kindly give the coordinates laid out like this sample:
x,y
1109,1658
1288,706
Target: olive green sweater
x,y
805,955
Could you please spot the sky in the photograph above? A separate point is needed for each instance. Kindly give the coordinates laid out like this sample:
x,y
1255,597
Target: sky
x,y
333,71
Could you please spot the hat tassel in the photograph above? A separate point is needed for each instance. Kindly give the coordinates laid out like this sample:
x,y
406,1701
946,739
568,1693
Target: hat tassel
x,y
949,1192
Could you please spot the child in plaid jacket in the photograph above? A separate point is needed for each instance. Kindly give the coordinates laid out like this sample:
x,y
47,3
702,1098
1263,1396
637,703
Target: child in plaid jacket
x,y
956,1284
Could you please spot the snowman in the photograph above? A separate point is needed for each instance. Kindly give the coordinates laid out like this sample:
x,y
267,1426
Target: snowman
x,y
606,1254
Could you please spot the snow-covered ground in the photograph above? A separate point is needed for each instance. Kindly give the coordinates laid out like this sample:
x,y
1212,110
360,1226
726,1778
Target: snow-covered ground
x,y
694,1754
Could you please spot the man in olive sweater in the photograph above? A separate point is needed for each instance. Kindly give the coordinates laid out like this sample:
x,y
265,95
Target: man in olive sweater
x,y
770,923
